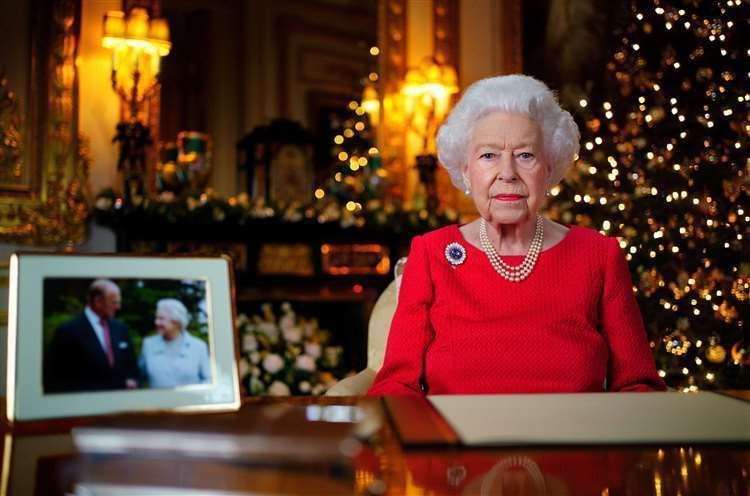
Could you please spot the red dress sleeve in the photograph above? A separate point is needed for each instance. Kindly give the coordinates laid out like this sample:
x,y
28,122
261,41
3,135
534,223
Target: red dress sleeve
x,y
631,364
410,331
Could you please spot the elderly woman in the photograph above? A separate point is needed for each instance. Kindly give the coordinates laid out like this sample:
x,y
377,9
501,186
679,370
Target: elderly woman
x,y
513,302
173,357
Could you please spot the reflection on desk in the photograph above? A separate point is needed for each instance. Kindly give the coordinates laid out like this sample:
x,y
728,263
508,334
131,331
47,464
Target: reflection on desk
x,y
268,447
268,433
48,464
621,471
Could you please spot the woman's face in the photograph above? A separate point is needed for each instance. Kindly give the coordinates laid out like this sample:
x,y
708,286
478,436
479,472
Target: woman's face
x,y
165,326
504,168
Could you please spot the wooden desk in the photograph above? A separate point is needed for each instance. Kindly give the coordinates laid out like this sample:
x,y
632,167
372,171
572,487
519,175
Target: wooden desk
x,y
40,459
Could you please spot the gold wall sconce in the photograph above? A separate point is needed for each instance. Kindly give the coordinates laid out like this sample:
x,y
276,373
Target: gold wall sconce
x,y
428,92
137,43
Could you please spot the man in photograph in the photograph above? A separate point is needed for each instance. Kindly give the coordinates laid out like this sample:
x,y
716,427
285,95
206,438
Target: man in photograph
x,y
92,351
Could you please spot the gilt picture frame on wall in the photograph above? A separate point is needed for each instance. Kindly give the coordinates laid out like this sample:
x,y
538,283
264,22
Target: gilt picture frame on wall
x,y
102,334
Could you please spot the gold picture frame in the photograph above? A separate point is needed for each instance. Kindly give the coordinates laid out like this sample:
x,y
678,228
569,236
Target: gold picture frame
x,y
43,161
57,359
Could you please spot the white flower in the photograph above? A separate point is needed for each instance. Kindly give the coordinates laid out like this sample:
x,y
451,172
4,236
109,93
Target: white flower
x,y
305,362
249,343
254,357
244,367
318,389
269,329
287,321
293,335
273,363
304,386
313,349
278,388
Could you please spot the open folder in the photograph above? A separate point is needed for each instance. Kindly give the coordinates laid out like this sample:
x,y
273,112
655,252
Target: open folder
x,y
571,419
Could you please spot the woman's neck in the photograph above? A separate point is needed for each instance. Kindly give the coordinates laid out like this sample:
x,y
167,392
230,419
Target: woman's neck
x,y
512,239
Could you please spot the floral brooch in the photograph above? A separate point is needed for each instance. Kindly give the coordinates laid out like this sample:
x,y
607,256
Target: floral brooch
x,y
455,254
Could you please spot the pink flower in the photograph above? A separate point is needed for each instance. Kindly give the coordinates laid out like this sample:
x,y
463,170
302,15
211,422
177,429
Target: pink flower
x,y
249,343
273,363
292,334
313,349
287,321
305,362
269,329
278,388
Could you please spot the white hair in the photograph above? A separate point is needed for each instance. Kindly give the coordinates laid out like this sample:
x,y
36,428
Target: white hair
x,y
175,310
517,94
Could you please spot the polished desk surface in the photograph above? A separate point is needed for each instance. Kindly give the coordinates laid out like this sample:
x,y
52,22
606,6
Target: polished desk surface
x,y
39,458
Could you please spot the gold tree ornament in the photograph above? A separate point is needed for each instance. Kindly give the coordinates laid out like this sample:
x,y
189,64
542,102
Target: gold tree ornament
x,y
716,353
741,288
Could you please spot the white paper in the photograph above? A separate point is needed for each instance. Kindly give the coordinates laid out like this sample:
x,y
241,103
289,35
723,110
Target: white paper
x,y
596,418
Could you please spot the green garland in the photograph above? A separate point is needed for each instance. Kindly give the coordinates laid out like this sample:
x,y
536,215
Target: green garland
x,y
110,210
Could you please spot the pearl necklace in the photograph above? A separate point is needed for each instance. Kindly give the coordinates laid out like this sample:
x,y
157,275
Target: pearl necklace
x,y
519,272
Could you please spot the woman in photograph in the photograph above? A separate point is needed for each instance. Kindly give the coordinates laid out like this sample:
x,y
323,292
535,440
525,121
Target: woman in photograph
x,y
514,302
173,357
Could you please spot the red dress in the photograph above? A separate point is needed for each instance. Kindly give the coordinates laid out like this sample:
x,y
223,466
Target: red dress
x,y
572,326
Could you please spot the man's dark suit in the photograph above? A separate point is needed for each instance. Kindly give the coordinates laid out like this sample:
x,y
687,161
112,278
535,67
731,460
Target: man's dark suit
x,y
76,361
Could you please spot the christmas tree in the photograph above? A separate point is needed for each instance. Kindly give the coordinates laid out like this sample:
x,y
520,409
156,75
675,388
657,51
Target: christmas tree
x,y
664,167
358,178
357,175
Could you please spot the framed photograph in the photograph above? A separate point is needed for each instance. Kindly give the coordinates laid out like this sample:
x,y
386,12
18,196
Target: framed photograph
x,y
97,334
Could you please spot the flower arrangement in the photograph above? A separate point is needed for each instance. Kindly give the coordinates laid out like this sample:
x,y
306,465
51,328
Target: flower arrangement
x,y
288,355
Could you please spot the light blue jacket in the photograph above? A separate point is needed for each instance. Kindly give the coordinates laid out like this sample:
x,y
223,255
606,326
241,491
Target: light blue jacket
x,y
163,370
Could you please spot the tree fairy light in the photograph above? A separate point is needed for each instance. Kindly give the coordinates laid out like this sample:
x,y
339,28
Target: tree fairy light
x,y
669,161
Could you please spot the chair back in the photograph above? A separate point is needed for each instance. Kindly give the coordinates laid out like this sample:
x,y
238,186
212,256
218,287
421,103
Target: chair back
x,y
381,317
